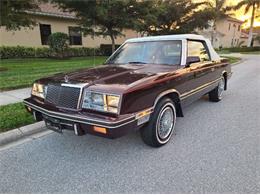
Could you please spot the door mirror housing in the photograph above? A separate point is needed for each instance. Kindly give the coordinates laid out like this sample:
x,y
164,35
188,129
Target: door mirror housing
x,y
192,59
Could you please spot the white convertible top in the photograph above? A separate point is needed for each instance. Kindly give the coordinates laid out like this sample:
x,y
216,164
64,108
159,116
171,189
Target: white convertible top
x,y
167,38
213,53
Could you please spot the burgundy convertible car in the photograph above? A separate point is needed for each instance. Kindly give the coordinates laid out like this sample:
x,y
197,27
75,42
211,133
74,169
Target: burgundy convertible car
x,y
143,85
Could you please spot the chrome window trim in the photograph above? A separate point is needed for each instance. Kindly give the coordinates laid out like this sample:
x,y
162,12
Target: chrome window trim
x,y
184,52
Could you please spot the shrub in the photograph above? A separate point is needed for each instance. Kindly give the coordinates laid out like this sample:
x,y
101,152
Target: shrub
x,y
239,49
83,51
106,49
58,43
244,49
44,52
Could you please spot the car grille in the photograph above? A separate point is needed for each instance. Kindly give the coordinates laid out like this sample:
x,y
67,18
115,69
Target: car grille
x,y
63,96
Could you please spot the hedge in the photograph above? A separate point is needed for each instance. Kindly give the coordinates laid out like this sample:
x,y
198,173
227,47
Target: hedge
x,y
34,52
240,49
106,49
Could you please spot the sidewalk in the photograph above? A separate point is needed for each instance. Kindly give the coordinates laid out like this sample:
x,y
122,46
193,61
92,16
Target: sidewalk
x,y
14,96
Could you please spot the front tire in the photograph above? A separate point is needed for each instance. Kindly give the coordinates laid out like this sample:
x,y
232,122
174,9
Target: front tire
x,y
161,126
216,94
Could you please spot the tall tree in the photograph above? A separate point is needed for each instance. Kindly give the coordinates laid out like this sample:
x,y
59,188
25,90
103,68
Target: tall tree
x,y
105,18
249,4
218,10
14,14
173,17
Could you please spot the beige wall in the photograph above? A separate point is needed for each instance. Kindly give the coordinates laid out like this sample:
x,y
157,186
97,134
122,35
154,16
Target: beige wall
x,y
31,37
229,34
224,35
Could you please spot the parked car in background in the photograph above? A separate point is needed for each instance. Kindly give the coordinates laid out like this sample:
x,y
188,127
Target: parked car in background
x,y
143,85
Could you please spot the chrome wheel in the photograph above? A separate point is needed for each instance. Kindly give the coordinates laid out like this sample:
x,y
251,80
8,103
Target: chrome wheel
x,y
165,122
221,87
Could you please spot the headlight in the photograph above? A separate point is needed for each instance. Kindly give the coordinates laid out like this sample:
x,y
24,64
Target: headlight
x,y
39,90
101,102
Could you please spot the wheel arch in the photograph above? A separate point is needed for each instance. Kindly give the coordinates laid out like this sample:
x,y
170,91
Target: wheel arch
x,y
174,95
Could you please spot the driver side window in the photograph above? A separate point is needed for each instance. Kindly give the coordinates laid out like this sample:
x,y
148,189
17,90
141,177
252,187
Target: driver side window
x,y
197,49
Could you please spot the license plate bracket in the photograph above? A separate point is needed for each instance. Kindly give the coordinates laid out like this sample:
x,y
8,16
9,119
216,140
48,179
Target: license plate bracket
x,y
53,126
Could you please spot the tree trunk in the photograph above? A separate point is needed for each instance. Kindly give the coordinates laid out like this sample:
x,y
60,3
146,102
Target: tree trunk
x,y
250,37
113,43
213,32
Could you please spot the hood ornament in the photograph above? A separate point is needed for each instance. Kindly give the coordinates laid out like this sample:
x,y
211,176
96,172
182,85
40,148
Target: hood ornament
x,y
66,78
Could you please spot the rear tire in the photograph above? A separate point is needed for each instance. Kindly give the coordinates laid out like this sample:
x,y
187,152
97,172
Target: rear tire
x,y
216,94
160,128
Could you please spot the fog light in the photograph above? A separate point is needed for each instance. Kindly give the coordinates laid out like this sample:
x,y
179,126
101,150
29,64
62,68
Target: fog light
x,y
29,109
100,129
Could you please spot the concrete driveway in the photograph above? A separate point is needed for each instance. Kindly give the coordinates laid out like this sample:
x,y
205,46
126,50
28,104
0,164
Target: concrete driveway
x,y
216,149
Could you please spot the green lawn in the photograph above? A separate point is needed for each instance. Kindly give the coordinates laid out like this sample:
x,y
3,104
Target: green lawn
x,y
13,116
19,73
251,52
220,52
232,59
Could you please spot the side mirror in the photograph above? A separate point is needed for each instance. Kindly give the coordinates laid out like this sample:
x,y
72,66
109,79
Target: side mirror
x,y
192,59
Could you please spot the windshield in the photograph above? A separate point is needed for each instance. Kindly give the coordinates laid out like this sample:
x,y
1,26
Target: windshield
x,y
148,52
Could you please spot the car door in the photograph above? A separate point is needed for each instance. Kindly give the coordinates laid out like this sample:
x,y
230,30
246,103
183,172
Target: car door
x,y
198,70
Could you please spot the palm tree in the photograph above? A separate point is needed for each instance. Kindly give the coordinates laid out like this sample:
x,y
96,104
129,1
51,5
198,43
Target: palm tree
x,y
218,10
255,5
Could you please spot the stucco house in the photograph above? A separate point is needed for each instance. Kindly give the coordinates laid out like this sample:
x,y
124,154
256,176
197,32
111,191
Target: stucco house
x,y
256,33
50,19
228,33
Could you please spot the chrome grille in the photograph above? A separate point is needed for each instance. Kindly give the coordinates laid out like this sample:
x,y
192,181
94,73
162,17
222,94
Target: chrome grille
x,y
63,96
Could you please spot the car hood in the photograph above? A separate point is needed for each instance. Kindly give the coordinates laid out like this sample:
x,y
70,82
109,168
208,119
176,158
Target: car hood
x,y
120,76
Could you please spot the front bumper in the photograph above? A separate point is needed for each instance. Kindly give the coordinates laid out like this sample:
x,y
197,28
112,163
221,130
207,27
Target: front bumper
x,y
83,123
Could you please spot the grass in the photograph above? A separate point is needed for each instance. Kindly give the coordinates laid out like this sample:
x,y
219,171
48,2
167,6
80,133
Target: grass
x,y
19,73
13,116
232,59
220,52
250,52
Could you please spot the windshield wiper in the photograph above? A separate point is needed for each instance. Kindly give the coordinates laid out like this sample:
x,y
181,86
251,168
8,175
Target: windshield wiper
x,y
136,62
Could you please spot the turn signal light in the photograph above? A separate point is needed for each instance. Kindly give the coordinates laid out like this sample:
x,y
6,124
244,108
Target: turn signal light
x,y
100,129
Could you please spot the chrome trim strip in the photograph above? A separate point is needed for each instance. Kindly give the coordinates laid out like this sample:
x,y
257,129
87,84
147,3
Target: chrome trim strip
x,y
196,90
183,52
76,118
163,94
73,85
75,129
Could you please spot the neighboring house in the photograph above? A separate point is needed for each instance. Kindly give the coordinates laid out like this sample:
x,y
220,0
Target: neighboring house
x,y
256,32
227,33
244,38
49,20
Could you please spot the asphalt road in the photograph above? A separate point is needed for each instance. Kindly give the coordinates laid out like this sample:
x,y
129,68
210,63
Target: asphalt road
x,y
216,149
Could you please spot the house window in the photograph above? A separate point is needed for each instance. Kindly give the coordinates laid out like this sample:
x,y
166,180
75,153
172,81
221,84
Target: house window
x,y
238,27
229,26
75,36
45,30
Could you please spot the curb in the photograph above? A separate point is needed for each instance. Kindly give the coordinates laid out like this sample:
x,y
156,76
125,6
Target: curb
x,y
240,61
22,132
